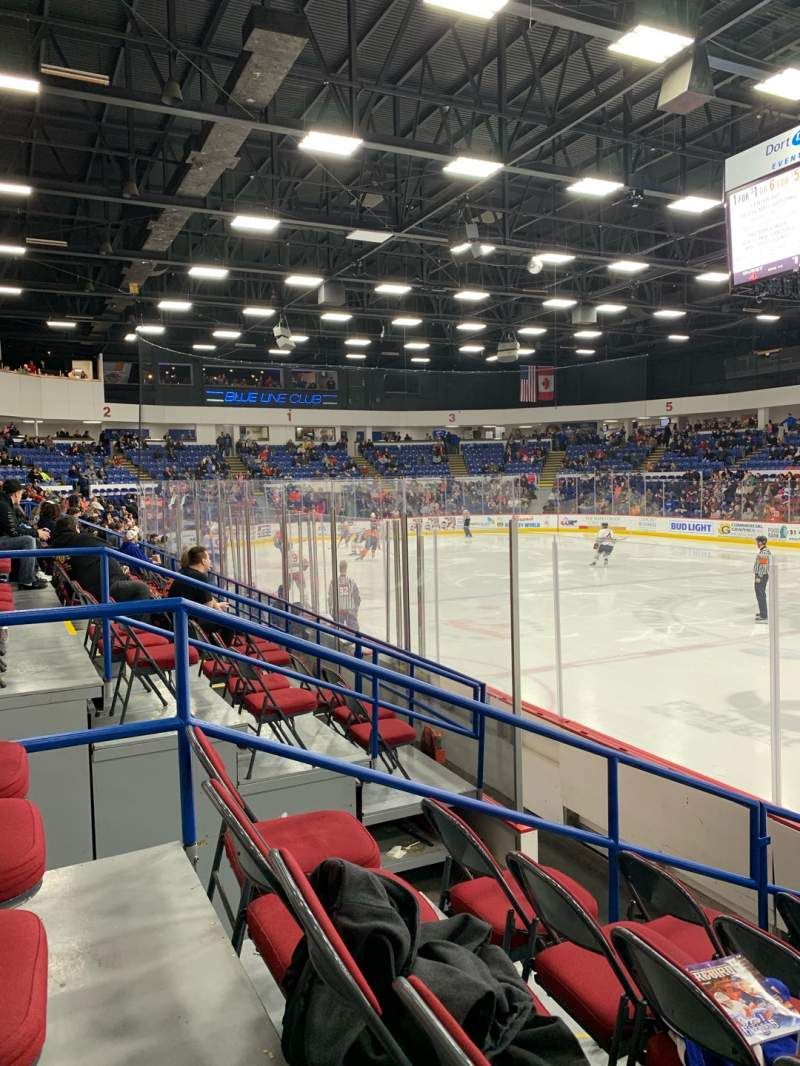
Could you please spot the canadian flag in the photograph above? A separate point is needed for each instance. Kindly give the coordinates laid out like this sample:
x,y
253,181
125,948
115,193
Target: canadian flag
x,y
545,384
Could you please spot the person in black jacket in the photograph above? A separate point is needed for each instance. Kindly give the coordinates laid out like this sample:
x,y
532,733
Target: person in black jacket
x,y
85,569
17,537
196,563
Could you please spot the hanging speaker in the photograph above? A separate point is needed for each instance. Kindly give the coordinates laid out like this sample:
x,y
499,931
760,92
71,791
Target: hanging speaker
x,y
689,86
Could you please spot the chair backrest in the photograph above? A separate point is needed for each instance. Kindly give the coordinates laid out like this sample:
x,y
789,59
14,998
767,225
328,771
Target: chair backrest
x,y
273,871
353,705
209,758
658,893
770,956
564,915
448,1040
679,1001
789,909
468,851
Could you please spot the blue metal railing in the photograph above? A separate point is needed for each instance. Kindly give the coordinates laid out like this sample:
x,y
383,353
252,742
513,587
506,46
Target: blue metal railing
x,y
759,811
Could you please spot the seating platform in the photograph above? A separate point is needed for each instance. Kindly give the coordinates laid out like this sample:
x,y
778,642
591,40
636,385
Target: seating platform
x,y
142,972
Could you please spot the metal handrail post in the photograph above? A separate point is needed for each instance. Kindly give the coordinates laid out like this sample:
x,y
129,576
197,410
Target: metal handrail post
x,y
105,596
613,836
421,621
374,734
406,586
334,564
183,702
557,631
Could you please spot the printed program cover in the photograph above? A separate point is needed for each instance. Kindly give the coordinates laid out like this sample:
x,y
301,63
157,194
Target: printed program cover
x,y
756,1010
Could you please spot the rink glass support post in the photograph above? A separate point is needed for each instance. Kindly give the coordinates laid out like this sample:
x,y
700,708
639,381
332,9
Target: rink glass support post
x,y
406,589
774,685
334,564
105,596
513,584
421,623
287,592
613,836
387,580
436,590
398,583
184,708
557,630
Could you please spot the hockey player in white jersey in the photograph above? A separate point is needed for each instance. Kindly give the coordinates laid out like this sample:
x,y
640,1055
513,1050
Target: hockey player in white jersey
x,y
603,544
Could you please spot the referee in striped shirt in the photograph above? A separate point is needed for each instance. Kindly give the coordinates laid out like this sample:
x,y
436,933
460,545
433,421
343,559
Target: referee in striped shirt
x,y
761,574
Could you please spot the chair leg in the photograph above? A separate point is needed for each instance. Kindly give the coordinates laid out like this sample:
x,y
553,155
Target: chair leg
x,y
249,773
508,932
237,936
216,862
619,1027
445,886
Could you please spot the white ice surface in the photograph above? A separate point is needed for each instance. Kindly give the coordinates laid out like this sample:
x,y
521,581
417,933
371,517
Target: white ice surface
x,y
659,649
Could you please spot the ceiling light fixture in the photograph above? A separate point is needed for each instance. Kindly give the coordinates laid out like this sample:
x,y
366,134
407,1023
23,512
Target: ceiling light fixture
x,y
10,290
212,272
594,187
303,281
532,331
471,349
12,249
391,288
255,223
417,346
174,305
57,323
713,277
669,312
470,295
151,330
611,309
46,242
369,236
355,355
204,347
335,316
651,44
406,323
279,351
14,188
555,258
258,312
420,359
471,327
357,342
465,166
588,334
584,351
785,84
298,338
493,358
627,266
129,338
227,334
71,74
678,338
15,84
768,318
481,9
693,205
330,143
560,303
526,351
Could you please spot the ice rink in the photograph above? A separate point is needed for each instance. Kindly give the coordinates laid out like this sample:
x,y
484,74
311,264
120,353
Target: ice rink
x,y
659,649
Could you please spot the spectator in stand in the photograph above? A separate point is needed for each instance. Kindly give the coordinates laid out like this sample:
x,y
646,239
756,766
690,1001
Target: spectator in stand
x,y
85,569
16,535
196,564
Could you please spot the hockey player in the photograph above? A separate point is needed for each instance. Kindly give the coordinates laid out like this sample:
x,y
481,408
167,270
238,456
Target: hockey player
x,y
603,544
349,598
761,575
467,517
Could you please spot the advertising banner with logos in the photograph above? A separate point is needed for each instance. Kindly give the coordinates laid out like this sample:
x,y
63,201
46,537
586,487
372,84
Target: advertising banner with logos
x,y
722,530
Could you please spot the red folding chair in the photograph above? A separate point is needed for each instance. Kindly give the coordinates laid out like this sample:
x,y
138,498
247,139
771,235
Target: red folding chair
x,y
450,1045
147,663
23,988
474,883
311,837
14,770
22,851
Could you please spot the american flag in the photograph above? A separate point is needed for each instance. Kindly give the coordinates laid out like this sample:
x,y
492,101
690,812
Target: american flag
x,y
527,384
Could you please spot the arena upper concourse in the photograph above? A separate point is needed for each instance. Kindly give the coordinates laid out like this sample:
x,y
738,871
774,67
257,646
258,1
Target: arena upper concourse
x,y
399,533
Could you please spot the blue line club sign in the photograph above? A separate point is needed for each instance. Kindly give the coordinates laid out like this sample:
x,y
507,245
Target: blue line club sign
x,y
267,398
